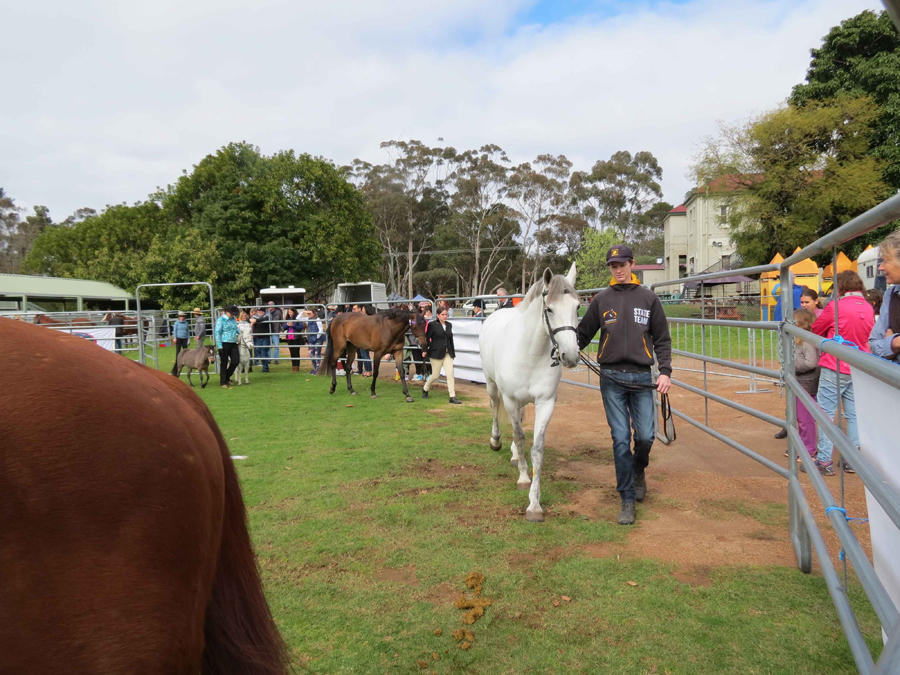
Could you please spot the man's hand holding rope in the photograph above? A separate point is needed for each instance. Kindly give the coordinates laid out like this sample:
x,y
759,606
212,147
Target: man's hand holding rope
x,y
663,383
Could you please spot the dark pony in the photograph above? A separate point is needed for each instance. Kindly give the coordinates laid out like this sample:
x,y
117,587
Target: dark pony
x,y
383,333
124,545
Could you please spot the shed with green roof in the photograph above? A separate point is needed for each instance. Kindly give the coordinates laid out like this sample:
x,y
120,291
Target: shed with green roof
x,y
21,292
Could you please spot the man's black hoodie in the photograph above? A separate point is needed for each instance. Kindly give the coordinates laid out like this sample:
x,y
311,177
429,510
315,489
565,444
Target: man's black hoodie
x,y
632,328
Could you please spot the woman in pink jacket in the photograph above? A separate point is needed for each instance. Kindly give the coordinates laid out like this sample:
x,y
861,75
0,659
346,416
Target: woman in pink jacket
x,y
855,320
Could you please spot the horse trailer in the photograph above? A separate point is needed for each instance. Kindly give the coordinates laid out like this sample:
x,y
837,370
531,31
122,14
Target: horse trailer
x,y
364,291
867,264
281,296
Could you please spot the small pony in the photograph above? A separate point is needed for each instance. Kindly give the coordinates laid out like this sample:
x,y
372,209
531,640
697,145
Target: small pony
x,y
245,347
195,359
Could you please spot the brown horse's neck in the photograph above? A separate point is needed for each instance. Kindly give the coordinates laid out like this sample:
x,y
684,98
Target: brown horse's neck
x,y
398,325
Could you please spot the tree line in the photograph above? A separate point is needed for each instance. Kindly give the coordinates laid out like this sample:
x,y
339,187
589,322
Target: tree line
x,y
240,220
432,220
466,222
829,154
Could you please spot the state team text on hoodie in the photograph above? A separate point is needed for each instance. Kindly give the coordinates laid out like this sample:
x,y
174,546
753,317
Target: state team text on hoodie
x,y
632,328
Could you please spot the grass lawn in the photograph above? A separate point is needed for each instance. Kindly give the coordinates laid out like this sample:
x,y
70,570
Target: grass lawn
x,y
368,515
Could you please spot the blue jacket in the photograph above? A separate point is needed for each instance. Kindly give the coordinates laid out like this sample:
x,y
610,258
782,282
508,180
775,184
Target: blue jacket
x,y
181,329
878,343
226,330
798,293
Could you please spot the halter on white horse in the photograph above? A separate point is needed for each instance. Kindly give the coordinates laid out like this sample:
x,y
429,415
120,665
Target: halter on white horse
x,y
521,350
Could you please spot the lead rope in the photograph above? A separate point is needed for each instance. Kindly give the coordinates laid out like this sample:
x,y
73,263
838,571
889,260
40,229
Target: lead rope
x,y
665,407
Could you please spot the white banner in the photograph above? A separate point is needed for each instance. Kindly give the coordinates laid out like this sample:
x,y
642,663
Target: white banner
x,y
102,337
876,405
467,364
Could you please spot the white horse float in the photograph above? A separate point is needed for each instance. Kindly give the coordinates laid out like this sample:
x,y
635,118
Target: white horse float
x,y
521,351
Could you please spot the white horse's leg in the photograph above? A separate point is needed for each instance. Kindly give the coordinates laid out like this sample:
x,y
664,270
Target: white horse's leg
x,y
494,394
543,411
518,441
514,447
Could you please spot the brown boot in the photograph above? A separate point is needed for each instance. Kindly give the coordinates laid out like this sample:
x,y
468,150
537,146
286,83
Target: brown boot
x,y
295,369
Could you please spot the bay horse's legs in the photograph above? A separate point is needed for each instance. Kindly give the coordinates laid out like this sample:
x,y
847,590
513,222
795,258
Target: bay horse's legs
x,y
398,361
515,416
494,394
376,365
189,377
206,370
543,411
348,364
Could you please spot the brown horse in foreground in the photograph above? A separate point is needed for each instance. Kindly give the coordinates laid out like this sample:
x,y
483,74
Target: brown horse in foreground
x,y
123,535
383,333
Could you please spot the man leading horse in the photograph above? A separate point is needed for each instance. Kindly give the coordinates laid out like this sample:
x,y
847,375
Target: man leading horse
x,y
632,327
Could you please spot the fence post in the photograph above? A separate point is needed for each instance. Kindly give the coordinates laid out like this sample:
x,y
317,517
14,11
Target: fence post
x,y
799,533
703,352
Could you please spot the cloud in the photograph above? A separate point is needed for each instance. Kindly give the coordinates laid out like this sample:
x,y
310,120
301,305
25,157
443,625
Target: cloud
x,y
115,99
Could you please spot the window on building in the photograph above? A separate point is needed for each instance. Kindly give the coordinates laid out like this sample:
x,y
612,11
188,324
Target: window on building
x,y
723,215
682,266
726,261
870,272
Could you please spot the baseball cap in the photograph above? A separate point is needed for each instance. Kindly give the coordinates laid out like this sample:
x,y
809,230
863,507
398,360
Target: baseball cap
x,y
619,253
231,309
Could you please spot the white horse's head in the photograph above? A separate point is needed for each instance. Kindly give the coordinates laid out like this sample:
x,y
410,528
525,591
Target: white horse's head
x,y
561,312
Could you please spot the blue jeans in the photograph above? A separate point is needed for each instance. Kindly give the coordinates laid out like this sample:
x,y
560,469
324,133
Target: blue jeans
x,y
827,398
315,351
364,361
627,410
261,351
274,354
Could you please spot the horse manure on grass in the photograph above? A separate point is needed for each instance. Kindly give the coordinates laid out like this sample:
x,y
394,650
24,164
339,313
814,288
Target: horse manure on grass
x,y
463,635
475,581
474,604
439,632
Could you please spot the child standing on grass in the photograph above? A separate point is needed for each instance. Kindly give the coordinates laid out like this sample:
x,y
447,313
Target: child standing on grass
x,y
806,368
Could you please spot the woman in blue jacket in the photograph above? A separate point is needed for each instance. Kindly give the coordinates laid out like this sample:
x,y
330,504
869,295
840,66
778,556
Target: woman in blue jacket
x,y
226,335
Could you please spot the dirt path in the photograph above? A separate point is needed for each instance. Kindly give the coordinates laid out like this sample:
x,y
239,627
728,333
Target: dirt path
x,y
707,504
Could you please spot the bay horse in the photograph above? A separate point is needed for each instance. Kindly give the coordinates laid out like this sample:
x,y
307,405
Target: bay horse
x,y
381,333
44,320
123,536
521,350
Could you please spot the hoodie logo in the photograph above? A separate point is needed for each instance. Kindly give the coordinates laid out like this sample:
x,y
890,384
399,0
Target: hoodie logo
x,y
609,316
641,316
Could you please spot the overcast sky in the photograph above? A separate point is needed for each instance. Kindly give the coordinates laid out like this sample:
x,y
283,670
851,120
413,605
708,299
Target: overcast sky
x,y
106,100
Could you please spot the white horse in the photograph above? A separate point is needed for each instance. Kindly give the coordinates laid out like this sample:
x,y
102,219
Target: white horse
x,y
245,348
521,350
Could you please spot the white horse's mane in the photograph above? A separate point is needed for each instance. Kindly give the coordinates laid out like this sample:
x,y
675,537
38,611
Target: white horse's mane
x,y
558,285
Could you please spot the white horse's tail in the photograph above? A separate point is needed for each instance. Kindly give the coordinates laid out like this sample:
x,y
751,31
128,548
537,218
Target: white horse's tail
x,y
503,416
